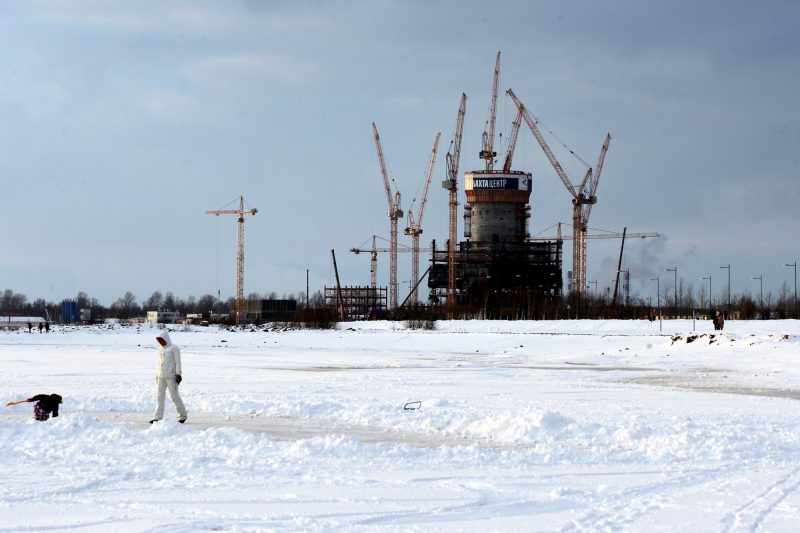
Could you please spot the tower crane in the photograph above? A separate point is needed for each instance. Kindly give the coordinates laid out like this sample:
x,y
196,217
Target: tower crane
x,y
374,251
395,213
241,212
583,198
415,221
610,235
451,184
487,152
512,141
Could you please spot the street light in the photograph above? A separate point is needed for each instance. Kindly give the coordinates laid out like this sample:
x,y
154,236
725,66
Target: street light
x,y
728,268
760,293
675,270
595,287
795,286
710,305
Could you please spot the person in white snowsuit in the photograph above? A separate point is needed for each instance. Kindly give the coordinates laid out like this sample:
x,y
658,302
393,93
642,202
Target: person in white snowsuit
x,y
168,376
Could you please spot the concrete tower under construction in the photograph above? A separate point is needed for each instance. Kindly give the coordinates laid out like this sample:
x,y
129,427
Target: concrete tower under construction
x,y
497,206
497,266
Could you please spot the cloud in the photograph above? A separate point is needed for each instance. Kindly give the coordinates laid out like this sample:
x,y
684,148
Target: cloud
x,y
232,72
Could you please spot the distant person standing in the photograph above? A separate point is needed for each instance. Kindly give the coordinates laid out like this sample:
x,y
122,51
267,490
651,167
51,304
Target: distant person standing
x,y
719,320
30,326
47,327
46,404
41,327
168,376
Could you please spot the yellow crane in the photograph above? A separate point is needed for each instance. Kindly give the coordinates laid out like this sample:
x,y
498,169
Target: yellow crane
x,y
583,198
414,228
451,185
395,213
239,250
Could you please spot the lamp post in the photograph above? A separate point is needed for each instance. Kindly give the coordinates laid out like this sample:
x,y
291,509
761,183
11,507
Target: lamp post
x,y
658,298
760,293
795,286
675,270
710,305
728,268
595,287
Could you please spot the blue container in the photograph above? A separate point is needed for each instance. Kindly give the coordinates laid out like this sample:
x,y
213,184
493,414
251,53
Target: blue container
x,y
69,311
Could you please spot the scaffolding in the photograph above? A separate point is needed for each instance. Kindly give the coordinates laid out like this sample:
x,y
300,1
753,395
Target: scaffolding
x,y
358,303
531,266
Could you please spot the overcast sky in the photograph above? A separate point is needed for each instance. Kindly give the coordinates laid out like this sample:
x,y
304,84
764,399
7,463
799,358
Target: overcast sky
x,y
123,122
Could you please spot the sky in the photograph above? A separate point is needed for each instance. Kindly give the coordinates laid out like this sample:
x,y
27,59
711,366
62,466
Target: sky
x,y
124,122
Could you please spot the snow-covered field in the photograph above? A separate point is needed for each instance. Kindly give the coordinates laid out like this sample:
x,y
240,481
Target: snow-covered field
x,y
521,426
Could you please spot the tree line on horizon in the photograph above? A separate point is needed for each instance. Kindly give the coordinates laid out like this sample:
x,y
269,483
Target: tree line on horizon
x,y
127,306
506,305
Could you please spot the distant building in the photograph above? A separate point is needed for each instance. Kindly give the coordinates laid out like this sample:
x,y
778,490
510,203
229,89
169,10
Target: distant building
x,y
162,317
16,322
357,303
271,310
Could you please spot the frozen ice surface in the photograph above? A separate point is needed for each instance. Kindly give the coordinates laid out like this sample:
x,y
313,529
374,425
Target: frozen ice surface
x,y
521,426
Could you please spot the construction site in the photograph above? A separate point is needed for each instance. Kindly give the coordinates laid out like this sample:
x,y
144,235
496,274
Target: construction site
x,y
498,268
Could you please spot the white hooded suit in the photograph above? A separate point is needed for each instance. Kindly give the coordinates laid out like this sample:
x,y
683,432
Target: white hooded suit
x,y
168,366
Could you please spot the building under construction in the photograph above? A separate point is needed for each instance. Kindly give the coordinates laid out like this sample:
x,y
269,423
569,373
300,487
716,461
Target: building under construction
x,y
497,266
357,303
496,262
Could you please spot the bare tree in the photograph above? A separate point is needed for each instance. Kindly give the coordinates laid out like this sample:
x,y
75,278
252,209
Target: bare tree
x,y
126,306
13,302
205,303
154,302
82,300
170,302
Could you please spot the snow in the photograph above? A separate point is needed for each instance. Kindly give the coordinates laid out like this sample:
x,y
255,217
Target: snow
x,y
520,426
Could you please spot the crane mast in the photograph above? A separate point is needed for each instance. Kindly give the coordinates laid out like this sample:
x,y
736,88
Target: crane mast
x,y
415,222
373,266
512,141
487,153
239,250
451,184
394,214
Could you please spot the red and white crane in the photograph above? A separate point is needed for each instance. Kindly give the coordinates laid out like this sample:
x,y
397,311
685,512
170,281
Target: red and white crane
x,y
583,198
395,213
451,184
487,152
414,228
